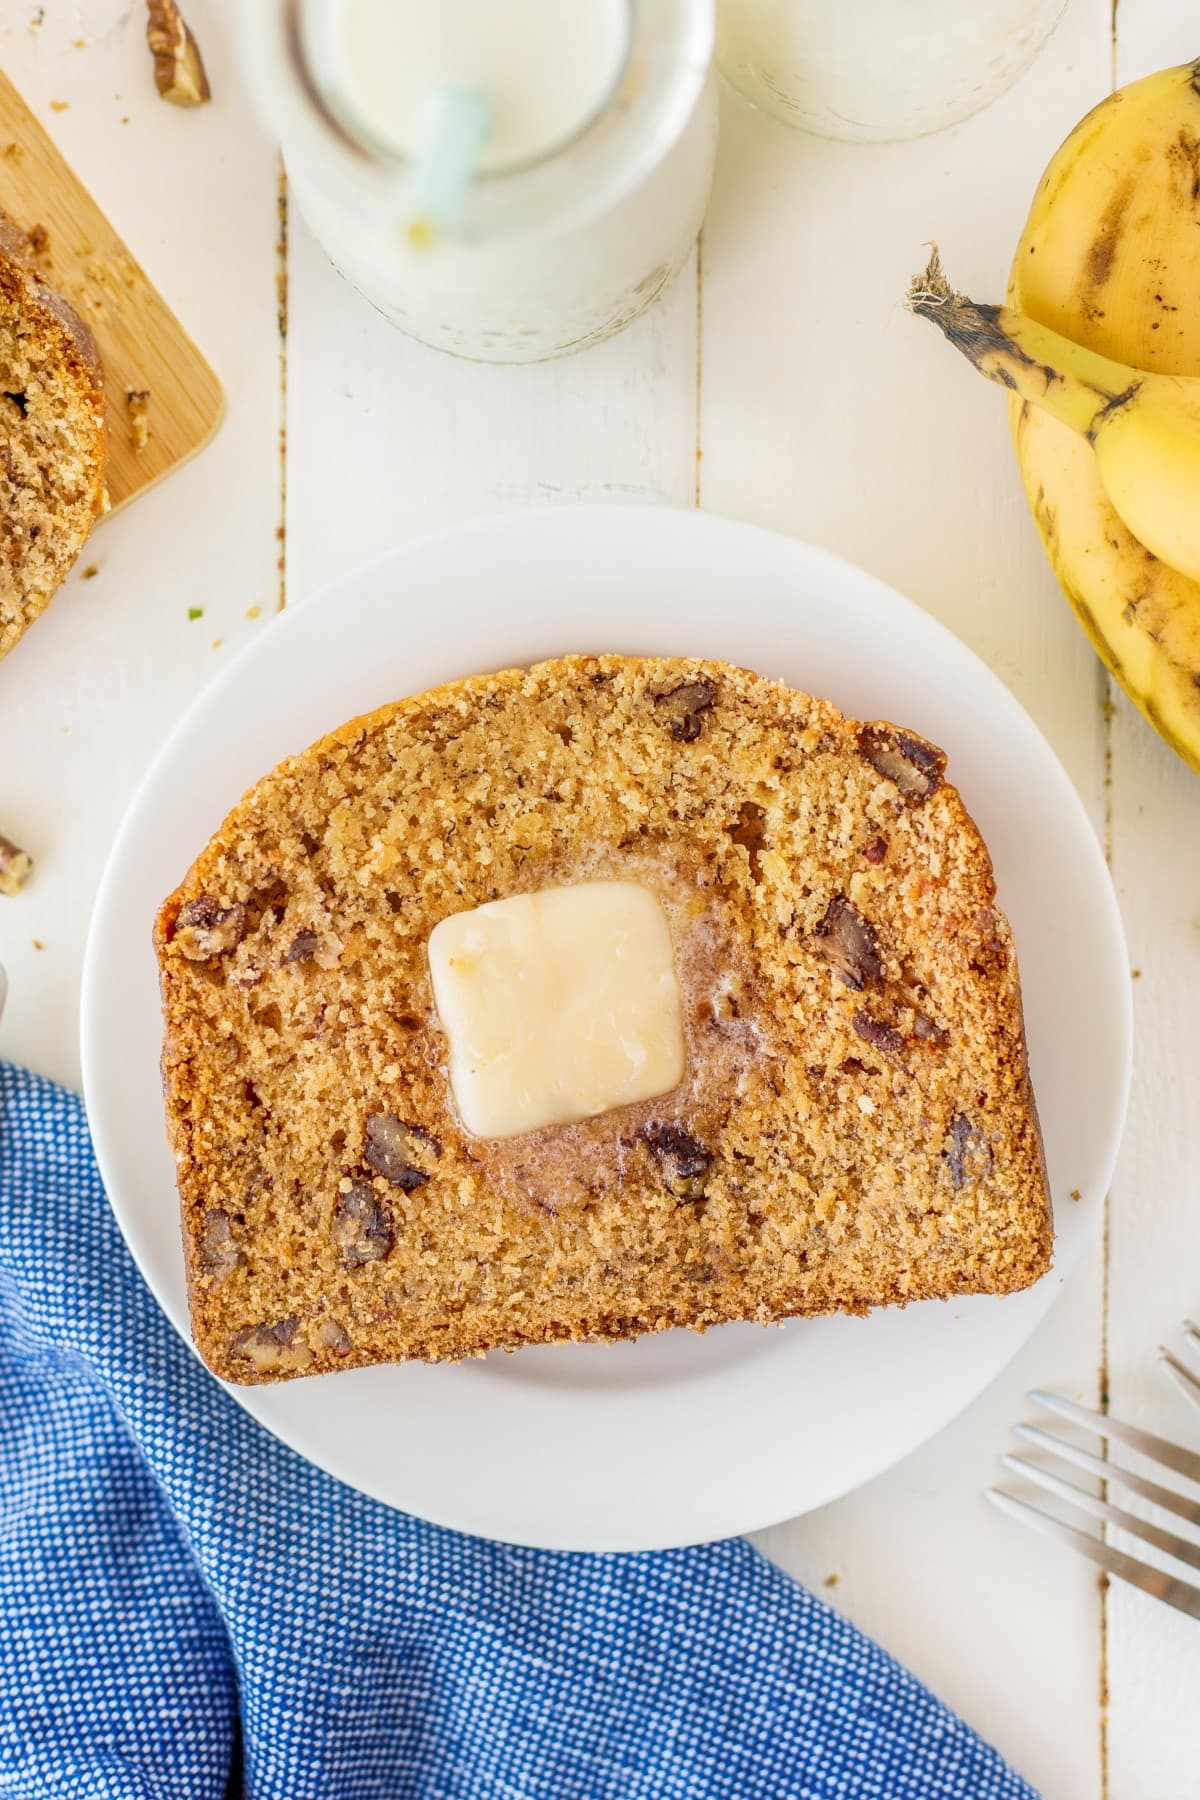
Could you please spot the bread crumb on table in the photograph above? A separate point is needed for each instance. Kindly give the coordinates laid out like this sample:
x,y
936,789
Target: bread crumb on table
x,y
138,402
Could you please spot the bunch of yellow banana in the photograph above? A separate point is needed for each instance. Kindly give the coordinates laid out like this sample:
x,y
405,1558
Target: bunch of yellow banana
x,y
1100,345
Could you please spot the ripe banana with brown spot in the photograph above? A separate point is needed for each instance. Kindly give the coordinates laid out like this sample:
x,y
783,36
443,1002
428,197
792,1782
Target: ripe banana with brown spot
x,y
1110,260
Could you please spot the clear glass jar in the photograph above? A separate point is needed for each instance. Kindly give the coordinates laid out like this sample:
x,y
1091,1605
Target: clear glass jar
x,y
550,256
878,70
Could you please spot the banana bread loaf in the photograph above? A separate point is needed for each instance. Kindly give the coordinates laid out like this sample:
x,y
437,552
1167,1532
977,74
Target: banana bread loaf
x,y
53,438
854,1127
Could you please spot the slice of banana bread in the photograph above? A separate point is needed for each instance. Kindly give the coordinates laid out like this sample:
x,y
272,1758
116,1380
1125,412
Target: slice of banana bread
x,y
53,439
855,1125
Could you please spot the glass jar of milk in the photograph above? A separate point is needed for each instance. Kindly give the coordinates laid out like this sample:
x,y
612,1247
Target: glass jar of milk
x,y
878,70
504,179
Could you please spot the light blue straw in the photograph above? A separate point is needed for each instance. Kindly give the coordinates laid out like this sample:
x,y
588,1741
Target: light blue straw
x,y
454,125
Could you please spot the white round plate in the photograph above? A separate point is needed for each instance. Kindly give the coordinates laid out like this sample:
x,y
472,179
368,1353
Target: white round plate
x,y
677,1438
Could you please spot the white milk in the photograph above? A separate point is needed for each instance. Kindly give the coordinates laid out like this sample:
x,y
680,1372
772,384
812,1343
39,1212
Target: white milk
x,y
588,191
548,67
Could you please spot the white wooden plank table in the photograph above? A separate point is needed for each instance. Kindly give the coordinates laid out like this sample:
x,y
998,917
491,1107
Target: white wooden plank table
x,y
780,381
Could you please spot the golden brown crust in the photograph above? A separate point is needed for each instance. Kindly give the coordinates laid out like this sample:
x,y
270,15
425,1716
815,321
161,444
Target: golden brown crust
x,y
53,437
856,1126
15,251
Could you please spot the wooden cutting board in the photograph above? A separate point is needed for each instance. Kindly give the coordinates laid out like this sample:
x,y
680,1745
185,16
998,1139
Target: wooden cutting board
x,y
143,347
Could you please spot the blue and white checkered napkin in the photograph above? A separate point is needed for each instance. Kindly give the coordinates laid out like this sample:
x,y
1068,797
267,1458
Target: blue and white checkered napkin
x,y
188,1610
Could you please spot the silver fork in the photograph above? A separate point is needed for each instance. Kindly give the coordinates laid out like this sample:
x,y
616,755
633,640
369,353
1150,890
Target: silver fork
x,y
1172,1458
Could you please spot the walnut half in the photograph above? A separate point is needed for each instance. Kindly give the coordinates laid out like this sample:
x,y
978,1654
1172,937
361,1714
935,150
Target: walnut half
x,y
16,866
218,1253
362,1226
968,1152
847,941
204,928
684,1162
393,1150
179,73
877,1032
272,1348
684,707
332,1335
915,767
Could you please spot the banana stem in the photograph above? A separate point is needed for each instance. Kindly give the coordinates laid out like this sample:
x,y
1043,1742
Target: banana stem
x,y
1074,384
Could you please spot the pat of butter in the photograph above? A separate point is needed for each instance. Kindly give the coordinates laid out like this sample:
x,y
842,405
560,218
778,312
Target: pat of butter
x,y
557,1005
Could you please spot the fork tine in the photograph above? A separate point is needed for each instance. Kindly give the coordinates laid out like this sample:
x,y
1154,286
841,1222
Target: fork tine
x,y
1184,1462
1113,1473
1192,1334
1180,1377
1142,1529
1179,1594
